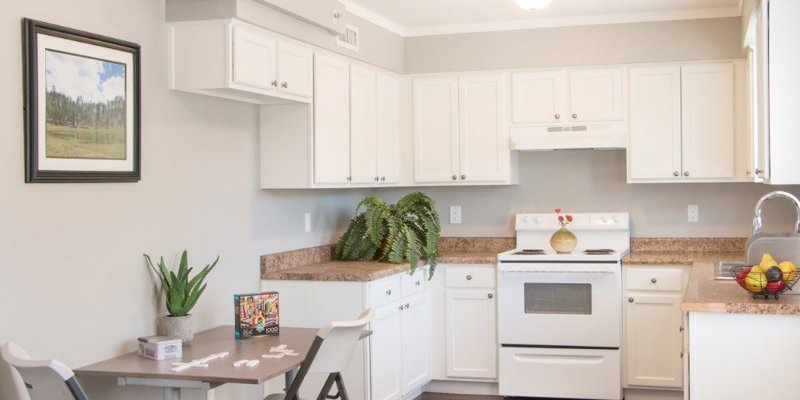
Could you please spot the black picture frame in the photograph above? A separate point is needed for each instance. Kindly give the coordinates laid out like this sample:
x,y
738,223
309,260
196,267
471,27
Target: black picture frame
x,y
72,169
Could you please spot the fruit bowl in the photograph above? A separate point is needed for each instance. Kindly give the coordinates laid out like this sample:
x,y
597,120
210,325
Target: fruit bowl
x,y
766,282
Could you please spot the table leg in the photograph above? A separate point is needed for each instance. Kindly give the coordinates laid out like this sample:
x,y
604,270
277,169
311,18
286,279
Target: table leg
x,y
172,393
289,376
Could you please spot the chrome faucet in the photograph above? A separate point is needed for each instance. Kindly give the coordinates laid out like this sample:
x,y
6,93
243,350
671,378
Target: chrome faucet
x,y
757,224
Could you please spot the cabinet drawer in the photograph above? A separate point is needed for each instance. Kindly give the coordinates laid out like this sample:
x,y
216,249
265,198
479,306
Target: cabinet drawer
x,y
385,291
469,276
664,279
413,284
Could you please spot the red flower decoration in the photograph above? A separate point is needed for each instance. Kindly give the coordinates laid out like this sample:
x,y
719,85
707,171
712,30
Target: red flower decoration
x,y
558,211
560,219
569,217
564,220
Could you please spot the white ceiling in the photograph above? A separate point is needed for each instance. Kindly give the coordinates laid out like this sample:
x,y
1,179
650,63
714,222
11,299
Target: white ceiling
x,y
432,17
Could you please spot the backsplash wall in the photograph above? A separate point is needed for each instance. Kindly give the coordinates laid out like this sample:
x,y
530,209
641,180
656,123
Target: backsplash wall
x,y
595,180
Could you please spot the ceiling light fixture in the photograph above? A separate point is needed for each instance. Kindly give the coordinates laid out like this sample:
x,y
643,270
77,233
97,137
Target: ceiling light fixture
x,y
533,5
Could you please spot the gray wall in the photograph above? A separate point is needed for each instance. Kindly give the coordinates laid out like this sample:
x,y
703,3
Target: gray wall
x,y
74,284
581,45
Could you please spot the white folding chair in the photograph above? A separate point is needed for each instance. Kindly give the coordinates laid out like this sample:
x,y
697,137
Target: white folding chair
x,y
44,379
330,353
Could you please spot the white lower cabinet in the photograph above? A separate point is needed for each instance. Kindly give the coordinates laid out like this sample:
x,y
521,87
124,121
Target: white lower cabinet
x,y
394,362
653,331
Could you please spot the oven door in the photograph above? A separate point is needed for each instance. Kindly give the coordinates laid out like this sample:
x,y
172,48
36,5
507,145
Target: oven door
x,y
560,304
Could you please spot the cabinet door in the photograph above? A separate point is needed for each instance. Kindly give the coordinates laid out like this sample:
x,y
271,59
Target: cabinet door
x,y
253,59
295,69
435,129
388,111
539,97
416,342
654,148
386,355
483,142
596,95
331,120
363,125
653,340
471,333
761,114
708,121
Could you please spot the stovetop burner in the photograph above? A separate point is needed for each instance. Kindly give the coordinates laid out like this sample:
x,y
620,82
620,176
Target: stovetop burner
x,y
530,252
598,252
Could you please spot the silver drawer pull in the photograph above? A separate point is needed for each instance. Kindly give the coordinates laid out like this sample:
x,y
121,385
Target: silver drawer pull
x,y
389,292
469,277
416,283
491,296
654,280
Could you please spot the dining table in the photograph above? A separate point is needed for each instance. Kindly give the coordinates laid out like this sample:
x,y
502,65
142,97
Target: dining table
x,y
131,369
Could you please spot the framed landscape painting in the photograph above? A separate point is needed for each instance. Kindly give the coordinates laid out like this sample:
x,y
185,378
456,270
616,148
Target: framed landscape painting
x,y
82,106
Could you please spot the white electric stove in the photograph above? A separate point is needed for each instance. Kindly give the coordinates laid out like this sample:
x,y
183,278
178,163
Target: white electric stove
x,y
560,315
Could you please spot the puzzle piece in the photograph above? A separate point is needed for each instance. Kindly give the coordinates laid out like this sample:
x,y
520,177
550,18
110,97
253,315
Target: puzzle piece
x,y
240,363
252,363
278,348
279,355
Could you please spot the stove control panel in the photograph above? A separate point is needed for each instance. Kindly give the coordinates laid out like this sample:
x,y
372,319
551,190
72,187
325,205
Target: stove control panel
x,y
581,221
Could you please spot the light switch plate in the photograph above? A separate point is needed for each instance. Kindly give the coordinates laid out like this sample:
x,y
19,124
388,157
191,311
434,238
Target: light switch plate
x,y
455,214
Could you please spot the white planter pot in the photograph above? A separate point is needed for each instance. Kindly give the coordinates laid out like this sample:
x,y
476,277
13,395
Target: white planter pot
x,y
178,328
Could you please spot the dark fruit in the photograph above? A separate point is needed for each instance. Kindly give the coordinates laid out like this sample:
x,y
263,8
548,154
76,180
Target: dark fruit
x,y
776,287
774,274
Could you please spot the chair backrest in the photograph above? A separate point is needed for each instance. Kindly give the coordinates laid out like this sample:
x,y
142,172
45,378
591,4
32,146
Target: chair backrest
x,y
338,342
45,379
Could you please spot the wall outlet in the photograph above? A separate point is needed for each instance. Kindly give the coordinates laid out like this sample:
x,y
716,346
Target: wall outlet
x,y
307,223
694,213
455,214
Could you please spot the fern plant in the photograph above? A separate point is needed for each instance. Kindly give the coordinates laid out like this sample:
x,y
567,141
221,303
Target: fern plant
x,y
182,293
405,231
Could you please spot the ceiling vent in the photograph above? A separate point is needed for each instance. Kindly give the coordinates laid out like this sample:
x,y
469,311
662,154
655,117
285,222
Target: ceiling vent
x,y
350,39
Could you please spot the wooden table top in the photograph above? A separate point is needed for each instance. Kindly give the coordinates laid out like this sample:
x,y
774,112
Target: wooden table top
x,y
221,370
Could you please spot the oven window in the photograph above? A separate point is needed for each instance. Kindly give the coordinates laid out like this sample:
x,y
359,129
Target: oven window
x,y
558,298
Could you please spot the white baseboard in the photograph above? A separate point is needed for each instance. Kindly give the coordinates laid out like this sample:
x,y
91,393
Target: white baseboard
x,y
652,394
462,387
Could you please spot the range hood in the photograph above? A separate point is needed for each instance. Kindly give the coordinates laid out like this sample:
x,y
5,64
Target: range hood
x,y
563,137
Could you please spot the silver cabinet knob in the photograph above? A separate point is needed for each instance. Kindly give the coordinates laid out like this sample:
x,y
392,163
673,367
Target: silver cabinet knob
x,y
401,307
389,292
558,116
285,85
463,177
680,329
407,306
349,178
469,277
491,296
376,179
383,179
681,354
759,171
676,173
417,283
685,173
455,177
654,280
574,116
275,83
630,299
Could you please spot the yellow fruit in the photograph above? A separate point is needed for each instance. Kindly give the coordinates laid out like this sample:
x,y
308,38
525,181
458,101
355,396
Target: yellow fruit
x,y
767,261
758,268
789,271
755,281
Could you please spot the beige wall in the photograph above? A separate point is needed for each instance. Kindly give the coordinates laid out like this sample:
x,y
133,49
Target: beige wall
x,y
581,45
378,47
73,283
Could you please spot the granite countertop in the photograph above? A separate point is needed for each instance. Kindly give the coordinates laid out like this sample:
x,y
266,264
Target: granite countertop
x,y
680,257
352,271
704,294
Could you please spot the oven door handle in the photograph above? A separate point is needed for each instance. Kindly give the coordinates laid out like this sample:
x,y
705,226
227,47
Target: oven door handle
x,y
558,272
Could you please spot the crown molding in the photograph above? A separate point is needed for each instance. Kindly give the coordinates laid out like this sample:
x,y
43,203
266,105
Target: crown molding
x,y
498,26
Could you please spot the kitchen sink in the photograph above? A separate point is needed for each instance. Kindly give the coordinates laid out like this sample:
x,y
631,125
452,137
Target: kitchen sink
x,y
722,270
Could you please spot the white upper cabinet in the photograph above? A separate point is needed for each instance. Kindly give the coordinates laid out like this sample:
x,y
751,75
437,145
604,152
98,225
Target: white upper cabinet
x,y
708,121
435,129
253,58
596,95
683,123
363,125
295,70
654,147
388,125
331,120
239,61
567,96
460,132
483,142
539,97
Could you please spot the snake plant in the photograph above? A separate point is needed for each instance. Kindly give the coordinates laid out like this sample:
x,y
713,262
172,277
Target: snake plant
x,y
405,231
182,293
